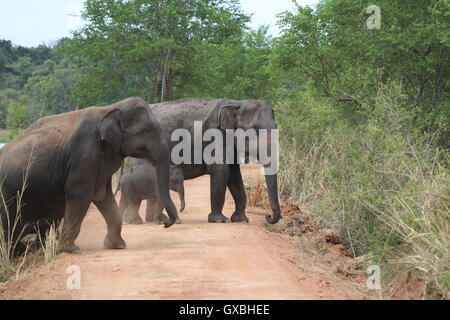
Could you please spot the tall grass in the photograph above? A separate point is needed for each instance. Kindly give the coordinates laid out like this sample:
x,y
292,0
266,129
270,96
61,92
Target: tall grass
x,y
385,188
8,229
50,246
10,267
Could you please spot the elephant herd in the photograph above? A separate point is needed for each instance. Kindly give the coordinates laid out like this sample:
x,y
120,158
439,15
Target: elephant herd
x,y
62,163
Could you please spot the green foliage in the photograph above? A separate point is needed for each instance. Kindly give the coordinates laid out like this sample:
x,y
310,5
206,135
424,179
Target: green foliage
x,y
17,117
376,181
7,97
332,48
17,63
237,68
364,118
50,86
41,78
145,47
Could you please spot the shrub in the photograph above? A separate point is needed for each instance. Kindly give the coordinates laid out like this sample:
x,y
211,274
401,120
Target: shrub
x,y
382,187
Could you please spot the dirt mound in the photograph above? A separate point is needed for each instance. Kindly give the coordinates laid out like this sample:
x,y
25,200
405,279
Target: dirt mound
x,y
408,287
323,245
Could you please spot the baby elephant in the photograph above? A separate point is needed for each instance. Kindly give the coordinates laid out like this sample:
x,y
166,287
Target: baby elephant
x,y
140,183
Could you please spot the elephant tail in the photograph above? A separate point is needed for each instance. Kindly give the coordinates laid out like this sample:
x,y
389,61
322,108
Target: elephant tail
x,y
120,177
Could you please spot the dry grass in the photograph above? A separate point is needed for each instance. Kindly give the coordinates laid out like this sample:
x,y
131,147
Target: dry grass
x,y
50,246
11,267
256,193
423,222
8,265
394,208
384,190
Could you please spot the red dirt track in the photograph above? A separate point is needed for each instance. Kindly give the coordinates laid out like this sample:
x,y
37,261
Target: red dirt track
x,y
193,260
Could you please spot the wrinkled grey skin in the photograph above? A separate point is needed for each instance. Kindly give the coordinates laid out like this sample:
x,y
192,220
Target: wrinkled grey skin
x,y
141,183
71,158
222,114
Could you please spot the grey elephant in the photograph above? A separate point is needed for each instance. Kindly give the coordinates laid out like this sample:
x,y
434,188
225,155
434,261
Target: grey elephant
x,y
62,163
140,182
224,115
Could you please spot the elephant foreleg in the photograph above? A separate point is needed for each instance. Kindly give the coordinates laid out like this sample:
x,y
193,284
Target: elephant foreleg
x,y
219,181
110,212
237,189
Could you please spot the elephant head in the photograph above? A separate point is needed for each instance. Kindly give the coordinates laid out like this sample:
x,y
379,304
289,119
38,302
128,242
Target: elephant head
x,y
250,114
130,128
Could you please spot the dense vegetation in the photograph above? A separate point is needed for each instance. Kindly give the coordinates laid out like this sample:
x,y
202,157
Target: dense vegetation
x,y
364,114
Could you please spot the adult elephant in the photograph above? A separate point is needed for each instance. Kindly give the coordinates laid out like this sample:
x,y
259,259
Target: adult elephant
x,y
221,114
62,163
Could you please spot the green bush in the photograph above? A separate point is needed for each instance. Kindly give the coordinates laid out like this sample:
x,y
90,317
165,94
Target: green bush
x,y
16,118
374,180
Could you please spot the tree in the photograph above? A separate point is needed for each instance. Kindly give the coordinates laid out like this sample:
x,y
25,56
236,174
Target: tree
x,y
235,69
50,87
139,46
333,47
16,118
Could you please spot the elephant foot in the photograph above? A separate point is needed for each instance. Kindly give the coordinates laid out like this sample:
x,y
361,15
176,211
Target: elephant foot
x,y
217,217
72,248
114,243
239,217
136,220
179,221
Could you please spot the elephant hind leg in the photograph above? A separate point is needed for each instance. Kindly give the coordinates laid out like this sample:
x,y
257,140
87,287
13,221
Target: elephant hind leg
x,y
123,204
154,212
131,212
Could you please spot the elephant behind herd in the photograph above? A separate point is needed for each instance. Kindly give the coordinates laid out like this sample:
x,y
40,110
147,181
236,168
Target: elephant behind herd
x,y
62,163
224,115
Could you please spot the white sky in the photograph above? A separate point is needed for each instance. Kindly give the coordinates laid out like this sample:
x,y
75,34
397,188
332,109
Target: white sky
x,y
33,22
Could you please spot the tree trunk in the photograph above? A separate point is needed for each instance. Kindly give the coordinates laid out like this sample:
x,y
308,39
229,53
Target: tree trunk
x,y
165,80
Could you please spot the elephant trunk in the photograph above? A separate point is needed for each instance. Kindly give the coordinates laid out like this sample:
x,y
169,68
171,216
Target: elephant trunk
x,y
272,190
162,166
271,177
181,194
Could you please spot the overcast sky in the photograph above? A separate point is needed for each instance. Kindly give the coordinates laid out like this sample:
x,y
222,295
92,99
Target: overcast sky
x,y
33,22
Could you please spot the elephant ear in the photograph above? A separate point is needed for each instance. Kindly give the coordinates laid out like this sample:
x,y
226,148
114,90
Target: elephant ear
x,y
109,129
224,115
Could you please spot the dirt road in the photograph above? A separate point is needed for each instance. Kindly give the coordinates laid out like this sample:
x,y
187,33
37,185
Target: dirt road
x,y
193,260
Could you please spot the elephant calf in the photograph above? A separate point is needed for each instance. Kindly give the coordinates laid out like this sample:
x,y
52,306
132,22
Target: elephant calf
x,y
140,183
